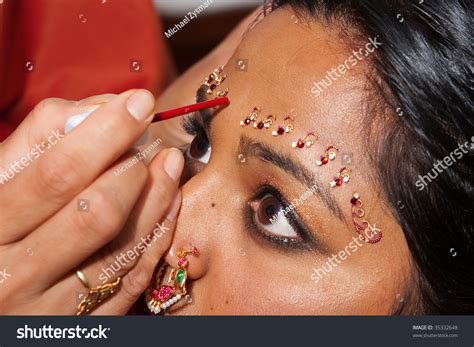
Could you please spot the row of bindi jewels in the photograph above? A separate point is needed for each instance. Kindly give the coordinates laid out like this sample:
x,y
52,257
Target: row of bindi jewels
x,y
214,80
287,126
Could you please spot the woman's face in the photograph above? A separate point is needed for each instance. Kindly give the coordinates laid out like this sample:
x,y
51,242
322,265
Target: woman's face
x,y
310,261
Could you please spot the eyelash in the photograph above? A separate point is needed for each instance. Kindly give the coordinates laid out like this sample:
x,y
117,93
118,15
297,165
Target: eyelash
x,y
193,127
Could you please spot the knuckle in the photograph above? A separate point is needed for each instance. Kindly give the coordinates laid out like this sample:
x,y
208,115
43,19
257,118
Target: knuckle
x,y
104,218
46,106
57,178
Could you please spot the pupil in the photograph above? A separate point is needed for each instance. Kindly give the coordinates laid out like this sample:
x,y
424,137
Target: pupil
x,y
202,146
199,146
270,210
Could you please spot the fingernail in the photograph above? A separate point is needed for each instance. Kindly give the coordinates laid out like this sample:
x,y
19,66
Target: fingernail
x,y
174,208
174,163
140,104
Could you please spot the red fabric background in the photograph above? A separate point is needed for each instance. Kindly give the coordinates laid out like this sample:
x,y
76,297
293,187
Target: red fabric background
x,y
77,49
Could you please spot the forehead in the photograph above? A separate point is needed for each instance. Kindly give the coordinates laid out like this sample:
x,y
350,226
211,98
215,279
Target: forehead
x,y
284,57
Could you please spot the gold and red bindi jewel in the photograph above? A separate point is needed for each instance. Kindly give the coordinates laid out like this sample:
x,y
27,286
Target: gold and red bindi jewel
x,y
168,294
306,141
265,124
214,80
343,176
252,117
286,127
329,154
368,232
222,93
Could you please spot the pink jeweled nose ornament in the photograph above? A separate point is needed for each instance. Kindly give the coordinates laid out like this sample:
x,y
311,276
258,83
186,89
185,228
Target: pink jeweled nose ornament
x,y
159,298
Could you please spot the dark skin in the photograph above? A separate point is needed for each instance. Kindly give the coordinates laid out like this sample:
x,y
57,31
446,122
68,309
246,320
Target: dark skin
x,y
240,270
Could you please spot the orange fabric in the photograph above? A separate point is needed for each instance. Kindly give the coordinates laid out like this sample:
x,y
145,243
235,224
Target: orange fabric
x,y
75,49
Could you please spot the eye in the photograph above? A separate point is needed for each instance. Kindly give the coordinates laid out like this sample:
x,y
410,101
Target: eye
x,y
272,219
200,148
269,217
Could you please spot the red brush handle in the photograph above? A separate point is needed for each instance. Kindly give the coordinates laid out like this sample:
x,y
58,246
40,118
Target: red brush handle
x,y
189,108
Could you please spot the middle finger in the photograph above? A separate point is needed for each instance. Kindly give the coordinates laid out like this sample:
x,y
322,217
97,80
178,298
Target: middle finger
x,y
84,225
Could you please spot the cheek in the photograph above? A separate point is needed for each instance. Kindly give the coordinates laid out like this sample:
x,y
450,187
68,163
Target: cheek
x,y
243,282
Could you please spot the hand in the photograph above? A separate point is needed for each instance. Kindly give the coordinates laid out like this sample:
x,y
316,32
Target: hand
x,y
74,203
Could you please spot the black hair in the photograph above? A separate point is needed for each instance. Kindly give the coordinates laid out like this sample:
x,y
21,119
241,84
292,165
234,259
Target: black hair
x,y
422,77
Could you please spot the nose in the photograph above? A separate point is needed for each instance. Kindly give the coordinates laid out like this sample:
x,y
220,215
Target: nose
x,y
192,228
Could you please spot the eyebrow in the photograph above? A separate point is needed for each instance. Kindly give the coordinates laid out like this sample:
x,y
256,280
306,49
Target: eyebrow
x,y
251,148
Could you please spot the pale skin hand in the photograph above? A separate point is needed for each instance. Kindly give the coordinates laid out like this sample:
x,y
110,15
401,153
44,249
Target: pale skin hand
x,y
44,238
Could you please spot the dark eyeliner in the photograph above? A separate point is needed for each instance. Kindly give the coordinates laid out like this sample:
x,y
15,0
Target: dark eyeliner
x,y
308,241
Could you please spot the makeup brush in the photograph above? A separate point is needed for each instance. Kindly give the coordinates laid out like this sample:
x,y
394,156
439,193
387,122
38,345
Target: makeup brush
x,y
74,121
189,108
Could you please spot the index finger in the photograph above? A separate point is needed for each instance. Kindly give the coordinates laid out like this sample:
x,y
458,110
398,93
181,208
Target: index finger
x,y
65,169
